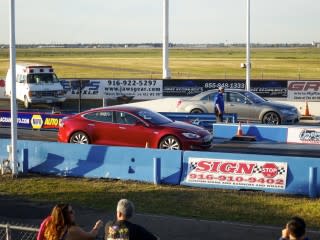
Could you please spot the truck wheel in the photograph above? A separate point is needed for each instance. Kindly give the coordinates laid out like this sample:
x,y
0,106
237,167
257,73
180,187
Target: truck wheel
x,y
26,103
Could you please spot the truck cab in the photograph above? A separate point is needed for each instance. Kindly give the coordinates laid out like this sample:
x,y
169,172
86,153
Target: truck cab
x,y
36,83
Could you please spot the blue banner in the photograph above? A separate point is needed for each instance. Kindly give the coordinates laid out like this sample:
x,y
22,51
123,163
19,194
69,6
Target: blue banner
x,y
33,120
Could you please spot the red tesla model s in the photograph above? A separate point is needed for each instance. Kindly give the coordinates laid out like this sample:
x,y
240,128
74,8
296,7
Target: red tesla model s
x,y
132,127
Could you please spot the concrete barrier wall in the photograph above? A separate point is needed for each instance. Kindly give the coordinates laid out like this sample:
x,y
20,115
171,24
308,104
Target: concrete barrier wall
x,y
270,133
97,161
279,174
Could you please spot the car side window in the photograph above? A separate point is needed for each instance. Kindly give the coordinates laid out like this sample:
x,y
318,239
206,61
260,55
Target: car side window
x,y
104,116
125,118
236,98
209,97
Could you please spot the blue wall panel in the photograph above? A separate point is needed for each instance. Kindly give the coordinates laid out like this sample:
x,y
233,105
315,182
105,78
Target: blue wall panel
x,y
260,131
98,161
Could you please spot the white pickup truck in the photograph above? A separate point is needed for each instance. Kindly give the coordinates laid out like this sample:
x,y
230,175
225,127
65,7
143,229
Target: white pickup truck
x,y
35,83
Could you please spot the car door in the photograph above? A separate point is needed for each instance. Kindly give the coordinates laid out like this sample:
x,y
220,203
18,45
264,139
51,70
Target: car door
x,y
131,131
207,102
237,103
101,127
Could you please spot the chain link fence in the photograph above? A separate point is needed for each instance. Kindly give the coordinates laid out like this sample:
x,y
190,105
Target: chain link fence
x,y
15,232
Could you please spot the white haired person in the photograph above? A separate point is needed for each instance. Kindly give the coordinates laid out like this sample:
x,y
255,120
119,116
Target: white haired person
x,y
218,105
122,229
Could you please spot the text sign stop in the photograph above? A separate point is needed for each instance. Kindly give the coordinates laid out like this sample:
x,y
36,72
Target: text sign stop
x,y
269,170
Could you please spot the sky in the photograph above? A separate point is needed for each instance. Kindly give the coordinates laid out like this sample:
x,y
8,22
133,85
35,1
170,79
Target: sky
x,y
140,21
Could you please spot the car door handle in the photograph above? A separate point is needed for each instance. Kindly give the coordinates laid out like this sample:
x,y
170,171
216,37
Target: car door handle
x,y
122,127
91,124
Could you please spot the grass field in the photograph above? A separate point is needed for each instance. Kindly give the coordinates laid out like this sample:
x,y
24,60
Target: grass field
x,y
214,63
211,204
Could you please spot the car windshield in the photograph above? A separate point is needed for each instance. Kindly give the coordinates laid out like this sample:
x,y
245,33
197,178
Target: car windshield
x,y
254,97
153,117
42,78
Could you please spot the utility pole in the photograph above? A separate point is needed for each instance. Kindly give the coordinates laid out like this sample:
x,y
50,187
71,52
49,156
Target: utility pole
x,y
165,43
12,150
248,62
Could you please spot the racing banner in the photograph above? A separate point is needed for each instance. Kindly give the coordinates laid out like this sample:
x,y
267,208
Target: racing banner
x,y
138,89
185,88
239,173
304,90
32,120
304,135
269,88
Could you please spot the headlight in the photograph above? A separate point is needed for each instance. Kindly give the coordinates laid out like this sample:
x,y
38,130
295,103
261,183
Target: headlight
x,y
33,93
190,135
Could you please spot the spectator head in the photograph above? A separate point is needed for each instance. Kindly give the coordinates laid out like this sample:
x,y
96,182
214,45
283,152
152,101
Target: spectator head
x,y
125,209
221,89
296,227
62,216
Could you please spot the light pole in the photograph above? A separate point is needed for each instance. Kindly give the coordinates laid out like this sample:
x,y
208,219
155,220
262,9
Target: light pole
x,y
13,148
248,63
165,42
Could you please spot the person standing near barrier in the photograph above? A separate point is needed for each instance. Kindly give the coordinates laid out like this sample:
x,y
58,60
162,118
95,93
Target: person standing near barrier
x,y
218,105
122,229
60,225
294,230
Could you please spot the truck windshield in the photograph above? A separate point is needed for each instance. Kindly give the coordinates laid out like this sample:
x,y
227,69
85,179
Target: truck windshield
x,y
42,78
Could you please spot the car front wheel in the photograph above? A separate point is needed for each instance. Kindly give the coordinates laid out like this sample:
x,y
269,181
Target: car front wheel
x,y
271,118
79,138
170,142
26,103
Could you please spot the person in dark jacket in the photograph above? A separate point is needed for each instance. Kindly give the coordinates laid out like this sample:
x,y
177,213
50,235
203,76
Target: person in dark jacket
x,y
294,230
122,229
218,105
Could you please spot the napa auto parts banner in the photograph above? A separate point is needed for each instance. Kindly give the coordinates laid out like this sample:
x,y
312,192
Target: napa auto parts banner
x,y
240,173
304,90
304,135
32,120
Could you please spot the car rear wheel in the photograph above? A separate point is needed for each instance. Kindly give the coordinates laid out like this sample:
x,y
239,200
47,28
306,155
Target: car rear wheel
x,y
196,111
26,103
79,138
170,142
271,118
